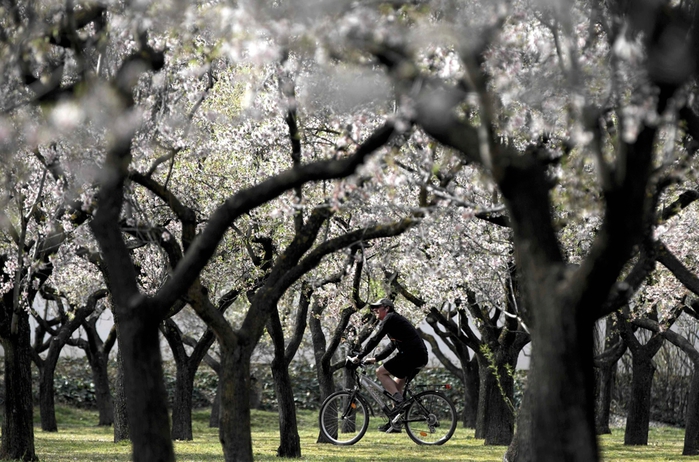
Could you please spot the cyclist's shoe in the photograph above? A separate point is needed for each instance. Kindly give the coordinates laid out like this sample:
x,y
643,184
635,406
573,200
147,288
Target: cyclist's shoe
x,y
390,428
397,409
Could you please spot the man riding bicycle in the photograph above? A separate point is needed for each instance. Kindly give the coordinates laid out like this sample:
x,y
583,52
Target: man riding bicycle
x,y
411,356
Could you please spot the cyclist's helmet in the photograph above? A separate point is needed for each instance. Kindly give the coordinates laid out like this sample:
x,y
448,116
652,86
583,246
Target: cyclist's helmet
x,y
387,302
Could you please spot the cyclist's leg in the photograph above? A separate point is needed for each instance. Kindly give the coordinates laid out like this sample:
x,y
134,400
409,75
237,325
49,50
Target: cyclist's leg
x,y
416,364
400,385
386,379
397,369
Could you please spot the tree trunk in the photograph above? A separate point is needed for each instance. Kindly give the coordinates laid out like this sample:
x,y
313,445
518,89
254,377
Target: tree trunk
x,y
638,414
47,369
603,397
638,418
99,361
234,430
47,406
486,382
691,426
495,422
324,375
215,416
322,358
562,384
471,384
182,404
520,448
103,394
605,374
121,416
289,441
18,424
146,398
186,369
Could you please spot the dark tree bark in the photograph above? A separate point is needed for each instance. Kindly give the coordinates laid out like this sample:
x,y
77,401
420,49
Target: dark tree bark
x,y
59,337
182,406
215,416
324,374
17,434
136,315
144,385
18,423
605,367
496,349
496,394
47,406
184,383
236,347
691,432
186,369
638,414
234,425
290,446
324,351
97,352
215,365
122,430
17,428
467,372
638,417
520,448
289,440
691,426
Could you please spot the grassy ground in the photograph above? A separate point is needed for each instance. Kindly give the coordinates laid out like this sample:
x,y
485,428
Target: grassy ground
x,y
79,440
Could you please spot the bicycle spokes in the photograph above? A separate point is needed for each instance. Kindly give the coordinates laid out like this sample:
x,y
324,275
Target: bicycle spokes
x,y
431,419
343,418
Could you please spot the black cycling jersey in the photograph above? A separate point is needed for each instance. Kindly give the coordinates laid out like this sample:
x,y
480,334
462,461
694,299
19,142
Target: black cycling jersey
x,y
403,336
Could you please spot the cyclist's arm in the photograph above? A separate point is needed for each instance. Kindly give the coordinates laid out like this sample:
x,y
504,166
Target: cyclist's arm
x,y
386,352
373,341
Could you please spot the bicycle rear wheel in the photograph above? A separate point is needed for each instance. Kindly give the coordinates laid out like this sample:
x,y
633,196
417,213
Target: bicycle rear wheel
x,y
431,418
343,418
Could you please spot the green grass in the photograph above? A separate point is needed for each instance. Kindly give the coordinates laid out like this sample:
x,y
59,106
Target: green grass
x,y
78,439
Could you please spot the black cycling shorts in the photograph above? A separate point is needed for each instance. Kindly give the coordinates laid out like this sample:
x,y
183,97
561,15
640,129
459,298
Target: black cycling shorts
x,y
402,365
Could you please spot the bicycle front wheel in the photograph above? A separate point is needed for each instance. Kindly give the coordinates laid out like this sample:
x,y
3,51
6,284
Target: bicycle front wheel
x,y
343,418
431,418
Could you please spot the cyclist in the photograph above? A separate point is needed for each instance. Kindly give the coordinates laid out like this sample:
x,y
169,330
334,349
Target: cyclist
x,y
411,356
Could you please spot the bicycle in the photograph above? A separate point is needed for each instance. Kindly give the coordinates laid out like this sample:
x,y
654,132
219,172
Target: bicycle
x,y
429,417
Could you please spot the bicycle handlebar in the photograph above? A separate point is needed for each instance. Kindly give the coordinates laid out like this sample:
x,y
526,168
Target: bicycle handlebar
x,y
353,361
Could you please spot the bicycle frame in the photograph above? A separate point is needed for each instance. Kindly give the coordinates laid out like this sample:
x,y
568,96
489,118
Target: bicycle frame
x,y
375,390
